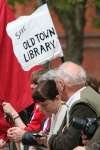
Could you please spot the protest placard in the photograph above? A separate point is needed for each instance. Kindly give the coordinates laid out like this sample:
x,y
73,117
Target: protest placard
x,y
34,38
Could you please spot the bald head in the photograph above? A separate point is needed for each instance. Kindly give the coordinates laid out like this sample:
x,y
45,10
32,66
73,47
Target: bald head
x,y
71,68
72,73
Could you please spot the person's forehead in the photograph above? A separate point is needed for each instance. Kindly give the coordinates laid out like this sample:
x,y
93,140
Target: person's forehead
x,y
35,75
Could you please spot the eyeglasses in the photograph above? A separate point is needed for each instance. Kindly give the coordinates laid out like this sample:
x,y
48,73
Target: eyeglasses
x,y
34,82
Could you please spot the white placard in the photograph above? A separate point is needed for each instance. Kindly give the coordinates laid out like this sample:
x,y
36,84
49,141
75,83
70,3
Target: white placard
x,y
34,38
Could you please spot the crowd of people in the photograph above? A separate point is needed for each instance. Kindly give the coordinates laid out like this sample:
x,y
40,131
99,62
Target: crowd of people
x,y
62,94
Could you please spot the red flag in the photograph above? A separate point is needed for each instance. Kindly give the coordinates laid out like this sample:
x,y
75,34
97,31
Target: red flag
x,y
14,82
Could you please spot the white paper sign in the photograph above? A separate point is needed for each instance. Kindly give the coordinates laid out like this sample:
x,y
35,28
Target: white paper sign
x,y
34,38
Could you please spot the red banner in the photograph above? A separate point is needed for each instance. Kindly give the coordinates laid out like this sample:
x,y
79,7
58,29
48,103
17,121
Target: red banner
x,y
14,82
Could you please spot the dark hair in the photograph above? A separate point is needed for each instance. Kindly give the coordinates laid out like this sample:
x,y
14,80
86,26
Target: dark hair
x,y
62,59
46,90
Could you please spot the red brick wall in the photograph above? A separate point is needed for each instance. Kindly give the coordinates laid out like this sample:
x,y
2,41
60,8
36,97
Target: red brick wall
x,y
91,62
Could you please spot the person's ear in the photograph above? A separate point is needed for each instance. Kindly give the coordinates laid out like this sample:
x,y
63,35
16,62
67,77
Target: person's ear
x,y
60,85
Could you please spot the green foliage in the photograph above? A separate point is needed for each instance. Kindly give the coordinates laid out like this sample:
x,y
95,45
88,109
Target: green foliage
x,y
97,2
64,5
12,2
96,22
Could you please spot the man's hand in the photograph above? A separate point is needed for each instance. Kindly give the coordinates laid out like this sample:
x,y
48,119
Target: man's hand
x,y
2,143
15,133
84,138
42,140
79,148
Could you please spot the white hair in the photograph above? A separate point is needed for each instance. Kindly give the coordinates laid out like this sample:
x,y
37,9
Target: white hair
x,y
72,74
49,75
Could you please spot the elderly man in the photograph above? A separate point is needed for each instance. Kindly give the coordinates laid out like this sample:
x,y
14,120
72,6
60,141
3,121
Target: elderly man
x,y
81,102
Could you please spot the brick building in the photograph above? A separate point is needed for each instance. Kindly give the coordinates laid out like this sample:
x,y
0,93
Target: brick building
x,y
91,55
